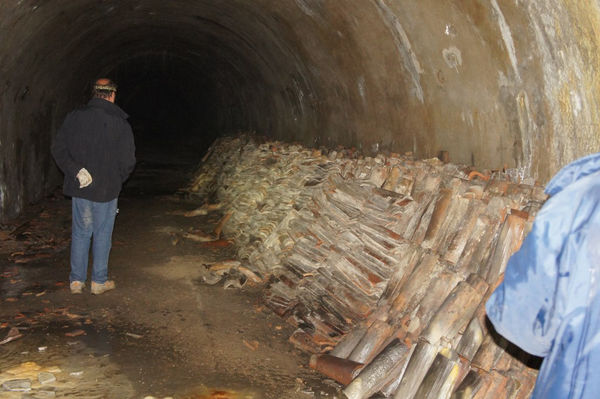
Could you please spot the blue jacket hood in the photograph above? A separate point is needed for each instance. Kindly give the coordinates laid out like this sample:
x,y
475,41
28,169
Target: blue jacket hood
x,y
573,172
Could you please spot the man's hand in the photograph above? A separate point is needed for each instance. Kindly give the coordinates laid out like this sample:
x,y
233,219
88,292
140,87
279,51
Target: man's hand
x,y
84,177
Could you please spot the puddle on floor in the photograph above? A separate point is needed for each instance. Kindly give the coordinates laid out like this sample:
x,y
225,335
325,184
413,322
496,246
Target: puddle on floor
x,y
90,365
19,282
77,371
92,358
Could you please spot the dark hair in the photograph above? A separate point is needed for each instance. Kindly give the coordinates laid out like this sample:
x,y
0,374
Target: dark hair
x,y
103,88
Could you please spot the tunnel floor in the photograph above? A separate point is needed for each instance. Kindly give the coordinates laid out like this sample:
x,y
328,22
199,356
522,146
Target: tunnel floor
x,y
162,332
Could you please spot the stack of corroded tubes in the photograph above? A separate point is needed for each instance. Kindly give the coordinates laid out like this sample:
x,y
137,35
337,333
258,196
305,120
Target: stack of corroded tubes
x,y
384,261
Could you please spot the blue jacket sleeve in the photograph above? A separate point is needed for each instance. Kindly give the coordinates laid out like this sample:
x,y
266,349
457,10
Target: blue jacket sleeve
x,y
525,308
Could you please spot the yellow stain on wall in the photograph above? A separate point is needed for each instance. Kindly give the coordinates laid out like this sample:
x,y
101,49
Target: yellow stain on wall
x,y
563,97
587,36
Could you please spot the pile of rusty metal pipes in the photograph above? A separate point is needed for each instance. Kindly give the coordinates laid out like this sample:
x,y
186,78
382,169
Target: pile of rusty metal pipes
x,y
382,263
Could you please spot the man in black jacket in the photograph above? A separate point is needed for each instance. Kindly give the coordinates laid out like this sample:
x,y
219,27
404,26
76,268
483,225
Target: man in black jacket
x,y
95,150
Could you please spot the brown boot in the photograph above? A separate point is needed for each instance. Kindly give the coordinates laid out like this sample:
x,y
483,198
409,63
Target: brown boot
x,y
98,289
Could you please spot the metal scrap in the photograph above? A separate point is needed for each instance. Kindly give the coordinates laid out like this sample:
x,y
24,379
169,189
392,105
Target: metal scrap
x,y
376,250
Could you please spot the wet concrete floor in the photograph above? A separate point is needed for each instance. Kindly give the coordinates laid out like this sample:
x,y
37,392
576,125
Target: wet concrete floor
x,y
162,332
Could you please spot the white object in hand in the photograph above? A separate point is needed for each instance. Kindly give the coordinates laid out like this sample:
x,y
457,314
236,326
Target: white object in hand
x,y
84,177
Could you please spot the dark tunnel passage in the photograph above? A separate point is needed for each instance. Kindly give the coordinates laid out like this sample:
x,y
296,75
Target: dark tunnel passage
x,y
172,104
496,85
158,102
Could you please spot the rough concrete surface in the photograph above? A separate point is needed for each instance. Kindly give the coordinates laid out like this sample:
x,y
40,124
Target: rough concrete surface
x,y
495,84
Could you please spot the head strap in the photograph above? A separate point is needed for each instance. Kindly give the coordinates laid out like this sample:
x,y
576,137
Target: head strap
x,y
105,87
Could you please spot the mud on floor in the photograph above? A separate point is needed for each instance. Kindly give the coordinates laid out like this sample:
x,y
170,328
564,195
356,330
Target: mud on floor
x,y
162,333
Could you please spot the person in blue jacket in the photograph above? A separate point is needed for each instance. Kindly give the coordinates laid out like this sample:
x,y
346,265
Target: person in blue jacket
x,y
549,302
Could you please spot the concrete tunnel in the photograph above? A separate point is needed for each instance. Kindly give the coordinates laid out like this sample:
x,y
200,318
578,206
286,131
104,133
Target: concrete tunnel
x,y
496,84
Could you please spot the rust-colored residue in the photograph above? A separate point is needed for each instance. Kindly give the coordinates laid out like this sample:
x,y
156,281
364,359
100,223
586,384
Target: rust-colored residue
x,y
374,279
216,394
216,244
478,174
221,224
341,370
519,213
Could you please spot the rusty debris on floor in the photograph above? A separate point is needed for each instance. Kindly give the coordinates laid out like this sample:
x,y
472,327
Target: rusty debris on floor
x,y
36,236
383,264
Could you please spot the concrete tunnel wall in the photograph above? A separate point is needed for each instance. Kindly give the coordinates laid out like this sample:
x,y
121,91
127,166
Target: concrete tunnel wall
x,y
496,84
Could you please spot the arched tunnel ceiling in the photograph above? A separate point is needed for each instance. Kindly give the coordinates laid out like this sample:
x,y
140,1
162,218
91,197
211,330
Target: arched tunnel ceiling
x,y
496,84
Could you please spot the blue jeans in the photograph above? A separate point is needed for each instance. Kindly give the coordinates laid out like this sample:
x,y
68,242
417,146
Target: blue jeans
x,y
91,219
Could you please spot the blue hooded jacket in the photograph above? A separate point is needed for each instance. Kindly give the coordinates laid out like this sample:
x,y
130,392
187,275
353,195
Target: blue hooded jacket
x,y
549,302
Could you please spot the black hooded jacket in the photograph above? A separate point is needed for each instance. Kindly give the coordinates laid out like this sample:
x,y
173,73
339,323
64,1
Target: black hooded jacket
x,y
98,138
